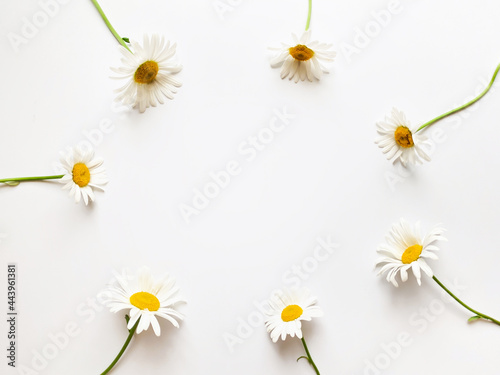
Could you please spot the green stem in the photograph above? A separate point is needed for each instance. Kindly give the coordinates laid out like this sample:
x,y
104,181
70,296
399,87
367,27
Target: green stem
x,y
130,335
309,358
463,106
309,15
108,24
464,305
2,181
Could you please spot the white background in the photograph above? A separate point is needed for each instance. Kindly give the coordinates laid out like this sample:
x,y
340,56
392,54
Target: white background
x,y
322,176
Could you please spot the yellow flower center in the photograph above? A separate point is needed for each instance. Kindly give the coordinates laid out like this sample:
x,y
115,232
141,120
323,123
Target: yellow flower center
x,y
411,254
301,52
146,72
81,174
145,300
403,137
291,312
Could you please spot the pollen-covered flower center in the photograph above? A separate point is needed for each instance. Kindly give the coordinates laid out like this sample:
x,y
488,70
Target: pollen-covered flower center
x,y
301,52
146,72
81,174
411,254
291,312
403,137
145,300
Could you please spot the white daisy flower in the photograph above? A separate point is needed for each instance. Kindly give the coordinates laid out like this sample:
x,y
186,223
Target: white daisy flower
x,y
406,248
397,141
149,71
82,172
301,60
145,298
287,312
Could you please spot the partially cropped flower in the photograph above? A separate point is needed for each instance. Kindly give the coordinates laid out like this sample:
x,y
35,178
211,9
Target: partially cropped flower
x,y
145,299
288,311
302,59
407,248
83,172
398,141
149,72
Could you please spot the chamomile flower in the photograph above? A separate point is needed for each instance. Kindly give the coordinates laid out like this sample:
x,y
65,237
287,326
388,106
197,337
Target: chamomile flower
x,y
397,141
288,311
302,59
149,72
406,249
82,172
145,298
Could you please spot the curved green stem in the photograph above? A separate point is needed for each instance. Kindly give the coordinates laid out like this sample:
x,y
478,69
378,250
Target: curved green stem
x,y
309,15
130,335
19,179
308,357
462,106
108,24
464,305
